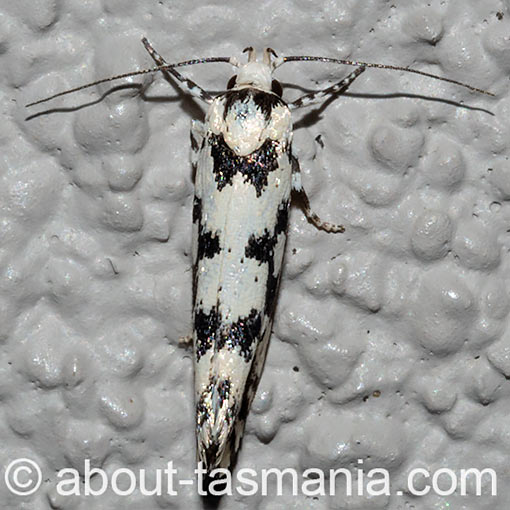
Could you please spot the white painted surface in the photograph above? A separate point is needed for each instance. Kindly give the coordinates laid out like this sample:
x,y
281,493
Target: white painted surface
x,y
410,303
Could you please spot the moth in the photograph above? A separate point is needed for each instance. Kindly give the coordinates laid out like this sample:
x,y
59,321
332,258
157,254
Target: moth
x,y
245,172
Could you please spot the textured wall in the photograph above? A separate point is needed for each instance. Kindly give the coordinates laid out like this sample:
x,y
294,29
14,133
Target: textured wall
x,y
390,341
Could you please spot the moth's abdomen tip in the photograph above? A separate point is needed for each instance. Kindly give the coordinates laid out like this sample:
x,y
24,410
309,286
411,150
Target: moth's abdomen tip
x,y
215,424
209,455
213,455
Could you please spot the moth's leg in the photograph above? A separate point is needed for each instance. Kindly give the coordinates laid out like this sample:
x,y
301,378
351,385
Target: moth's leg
x,y
185,341
338,88
298,189
187,85
197,135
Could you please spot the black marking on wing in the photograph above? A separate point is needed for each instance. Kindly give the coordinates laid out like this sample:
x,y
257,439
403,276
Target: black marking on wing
x,y
243,333
261,248
208,244
254,167
265,101
206,327
282,218
203,411
197,209
197,216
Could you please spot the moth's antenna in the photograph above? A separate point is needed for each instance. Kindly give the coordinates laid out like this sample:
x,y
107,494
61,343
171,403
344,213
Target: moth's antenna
x,y
134,73
384,66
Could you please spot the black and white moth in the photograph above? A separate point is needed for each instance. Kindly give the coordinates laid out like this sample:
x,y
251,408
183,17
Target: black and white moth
x,y
244,175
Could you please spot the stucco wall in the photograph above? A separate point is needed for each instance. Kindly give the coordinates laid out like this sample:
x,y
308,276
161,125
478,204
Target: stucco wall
x,y
390,341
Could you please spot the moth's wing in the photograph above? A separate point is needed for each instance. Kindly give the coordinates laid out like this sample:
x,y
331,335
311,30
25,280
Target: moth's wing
x,y
197,137
243,203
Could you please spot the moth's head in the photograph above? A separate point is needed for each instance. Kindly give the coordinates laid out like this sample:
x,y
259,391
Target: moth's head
x,y
257,74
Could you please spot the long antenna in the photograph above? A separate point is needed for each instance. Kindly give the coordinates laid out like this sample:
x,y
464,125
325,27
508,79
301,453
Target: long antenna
x,y
283,60
384,66
134,73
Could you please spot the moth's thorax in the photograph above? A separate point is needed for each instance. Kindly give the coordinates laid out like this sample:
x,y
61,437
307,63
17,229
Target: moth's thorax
x,y
247,117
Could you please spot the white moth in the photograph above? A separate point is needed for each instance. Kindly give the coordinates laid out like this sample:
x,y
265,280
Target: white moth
x,y
245,172
244,175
